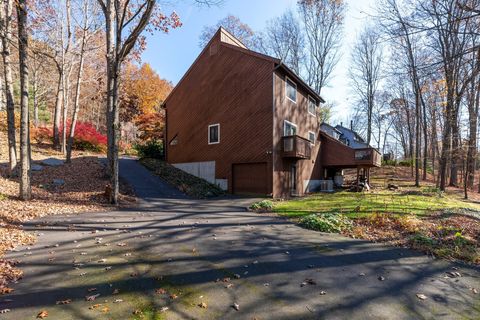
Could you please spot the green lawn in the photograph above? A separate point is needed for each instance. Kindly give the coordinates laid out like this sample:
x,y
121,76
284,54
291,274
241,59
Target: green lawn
x,y
423,201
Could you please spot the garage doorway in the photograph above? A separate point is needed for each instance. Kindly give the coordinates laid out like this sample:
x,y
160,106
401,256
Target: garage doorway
x,y
250,178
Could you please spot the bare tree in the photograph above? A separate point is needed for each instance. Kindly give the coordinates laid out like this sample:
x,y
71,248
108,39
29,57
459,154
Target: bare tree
x,y
235,26
85,30
6,16
25,187
323,21
365,73
284,39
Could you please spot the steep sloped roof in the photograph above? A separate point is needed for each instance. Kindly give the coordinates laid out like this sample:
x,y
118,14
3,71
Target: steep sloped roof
x,y
226,39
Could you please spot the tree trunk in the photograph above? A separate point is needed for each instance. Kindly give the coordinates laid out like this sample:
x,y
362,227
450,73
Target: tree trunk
x,y
425,142
35,99
6,12
66,94
76,104
417,139
25,188
112,89
58,109
455,150
447,138
473,107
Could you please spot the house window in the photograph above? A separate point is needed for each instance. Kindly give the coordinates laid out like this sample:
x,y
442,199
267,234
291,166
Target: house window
x,y
214,133
312,106
291,90
289,129
311,137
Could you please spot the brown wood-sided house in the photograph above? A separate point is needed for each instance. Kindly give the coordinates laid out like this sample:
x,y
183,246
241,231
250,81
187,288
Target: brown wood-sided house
x,y
245,121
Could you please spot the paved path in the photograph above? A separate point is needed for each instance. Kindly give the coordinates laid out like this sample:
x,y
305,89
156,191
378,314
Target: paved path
x,y
176,253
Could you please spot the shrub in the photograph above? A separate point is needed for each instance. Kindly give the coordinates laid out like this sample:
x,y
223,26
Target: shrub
x,y
41,134
88,138
150,149
327,222
264,205
389,162
406,163
421,241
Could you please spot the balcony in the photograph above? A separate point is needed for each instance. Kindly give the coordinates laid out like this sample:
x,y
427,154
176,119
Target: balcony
x,y
368,156
296,147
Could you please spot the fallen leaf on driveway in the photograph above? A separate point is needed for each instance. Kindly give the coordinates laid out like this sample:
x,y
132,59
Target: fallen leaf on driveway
x,y
67,301
42,314
95,306
6,290
421,296
308,281
92,297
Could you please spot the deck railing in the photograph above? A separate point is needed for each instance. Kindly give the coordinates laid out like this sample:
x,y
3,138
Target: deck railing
x,y
296,147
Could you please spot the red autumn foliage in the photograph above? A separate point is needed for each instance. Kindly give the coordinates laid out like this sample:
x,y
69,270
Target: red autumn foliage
x,y
86,136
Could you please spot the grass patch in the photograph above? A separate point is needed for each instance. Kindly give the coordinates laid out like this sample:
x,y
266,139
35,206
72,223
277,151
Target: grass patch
x,y
424,219
355,204
328,222
187,183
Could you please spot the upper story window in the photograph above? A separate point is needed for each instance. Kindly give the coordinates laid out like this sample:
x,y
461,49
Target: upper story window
x,y
291,89
311,137
312,106
289,129
214,133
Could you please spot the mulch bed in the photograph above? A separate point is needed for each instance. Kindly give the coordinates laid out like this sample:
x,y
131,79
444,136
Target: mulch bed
x,y
443,230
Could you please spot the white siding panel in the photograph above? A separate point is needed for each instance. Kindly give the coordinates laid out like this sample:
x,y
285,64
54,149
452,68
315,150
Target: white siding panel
x,y
204,170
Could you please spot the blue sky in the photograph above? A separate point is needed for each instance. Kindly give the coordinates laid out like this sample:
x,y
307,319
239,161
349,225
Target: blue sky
x,y
172,54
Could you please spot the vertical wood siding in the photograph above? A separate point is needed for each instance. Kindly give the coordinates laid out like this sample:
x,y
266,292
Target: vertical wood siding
x,y
231,88
298,114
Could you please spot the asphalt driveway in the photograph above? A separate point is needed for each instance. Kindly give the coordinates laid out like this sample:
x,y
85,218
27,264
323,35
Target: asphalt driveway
x,y
178,258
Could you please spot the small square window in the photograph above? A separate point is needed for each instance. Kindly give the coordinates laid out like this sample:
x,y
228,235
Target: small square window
x,y
214,133
312,106
291,90
311,137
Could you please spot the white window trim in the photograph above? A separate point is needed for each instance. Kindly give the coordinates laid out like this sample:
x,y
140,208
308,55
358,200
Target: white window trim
x,y
214,125
290,123
314,137
286,89
308,105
